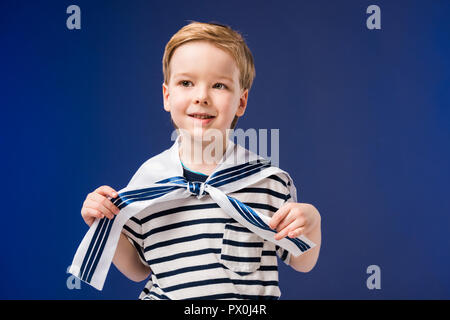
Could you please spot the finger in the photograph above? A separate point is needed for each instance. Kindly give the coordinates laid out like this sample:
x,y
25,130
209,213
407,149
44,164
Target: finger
x,y
299,222
98,204
279,216
285,231
296,233
107,203
106,191
285,222
91,213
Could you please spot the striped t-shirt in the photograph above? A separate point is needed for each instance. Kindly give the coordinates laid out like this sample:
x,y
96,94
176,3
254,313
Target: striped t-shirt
x,y
196,251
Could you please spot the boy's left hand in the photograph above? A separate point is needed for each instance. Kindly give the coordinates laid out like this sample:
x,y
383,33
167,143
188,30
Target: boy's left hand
x,y
294,219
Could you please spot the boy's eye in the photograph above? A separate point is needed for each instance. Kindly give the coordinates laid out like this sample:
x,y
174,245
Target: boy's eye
x,y
184,83
221,84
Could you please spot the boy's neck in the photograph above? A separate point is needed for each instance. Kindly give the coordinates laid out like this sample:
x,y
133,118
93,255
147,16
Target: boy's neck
x,y
201,156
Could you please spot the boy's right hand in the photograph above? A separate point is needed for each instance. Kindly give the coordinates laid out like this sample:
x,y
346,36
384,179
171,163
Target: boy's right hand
x,y
98,205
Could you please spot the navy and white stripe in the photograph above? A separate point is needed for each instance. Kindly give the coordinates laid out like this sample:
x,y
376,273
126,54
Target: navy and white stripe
x,y
196,251
160,182
124,199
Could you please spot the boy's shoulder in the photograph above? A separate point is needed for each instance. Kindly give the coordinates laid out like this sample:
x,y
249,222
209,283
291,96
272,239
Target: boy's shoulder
x,y
269,193
153,169
279,182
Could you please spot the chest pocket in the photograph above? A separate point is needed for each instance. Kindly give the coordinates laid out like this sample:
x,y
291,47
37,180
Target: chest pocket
x,y
241,248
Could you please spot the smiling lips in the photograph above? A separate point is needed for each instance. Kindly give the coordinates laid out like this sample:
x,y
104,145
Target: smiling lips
x,y
202,118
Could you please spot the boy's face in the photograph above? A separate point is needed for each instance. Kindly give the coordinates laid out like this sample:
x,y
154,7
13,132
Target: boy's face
x,y
204,80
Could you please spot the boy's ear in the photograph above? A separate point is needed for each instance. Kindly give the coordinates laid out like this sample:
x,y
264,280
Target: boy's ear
x,y
166,97
242,103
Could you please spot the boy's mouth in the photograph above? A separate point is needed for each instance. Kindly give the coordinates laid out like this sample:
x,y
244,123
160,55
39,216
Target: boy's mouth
x,y
201,118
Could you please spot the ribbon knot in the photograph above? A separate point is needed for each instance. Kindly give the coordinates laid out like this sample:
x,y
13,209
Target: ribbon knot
x,y
196,188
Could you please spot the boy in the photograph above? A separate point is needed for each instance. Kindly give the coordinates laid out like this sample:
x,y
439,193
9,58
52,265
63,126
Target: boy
x,y
192,248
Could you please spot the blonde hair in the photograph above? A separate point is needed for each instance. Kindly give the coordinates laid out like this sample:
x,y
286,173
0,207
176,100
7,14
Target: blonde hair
x,y
221,36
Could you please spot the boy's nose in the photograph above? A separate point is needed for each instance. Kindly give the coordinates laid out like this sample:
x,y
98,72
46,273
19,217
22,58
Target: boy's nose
x,y
201,96
201,100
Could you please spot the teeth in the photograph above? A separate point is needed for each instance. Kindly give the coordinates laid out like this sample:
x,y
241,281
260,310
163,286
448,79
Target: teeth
x,y
201,116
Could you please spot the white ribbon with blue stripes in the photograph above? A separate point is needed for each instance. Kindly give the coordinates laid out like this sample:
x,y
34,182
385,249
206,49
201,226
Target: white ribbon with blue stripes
x,y
165,182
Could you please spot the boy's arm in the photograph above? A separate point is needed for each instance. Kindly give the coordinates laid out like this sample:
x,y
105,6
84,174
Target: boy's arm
x,y
127,260
294,219
307,261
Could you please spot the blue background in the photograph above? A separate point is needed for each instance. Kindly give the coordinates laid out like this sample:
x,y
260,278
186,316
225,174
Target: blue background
x,y
364,119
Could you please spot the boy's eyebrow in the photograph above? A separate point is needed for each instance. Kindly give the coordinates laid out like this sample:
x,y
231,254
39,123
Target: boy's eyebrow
x,y
188,75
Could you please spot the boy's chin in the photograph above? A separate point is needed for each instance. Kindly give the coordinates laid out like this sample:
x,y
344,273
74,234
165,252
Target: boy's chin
x,y
202,134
